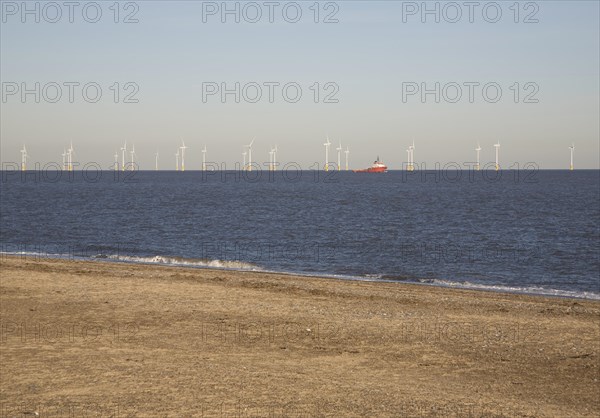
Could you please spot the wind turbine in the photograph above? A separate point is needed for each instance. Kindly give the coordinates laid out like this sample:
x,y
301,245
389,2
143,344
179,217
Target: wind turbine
x,y
177,160
497,146
408,158
204,159
411,159
478,149
156,161
183,148
250,154
116,160
123,151
70,156
275,158
64,154
132,152
271,160
572,148
244,156
339,150
347,152
327,144
23,158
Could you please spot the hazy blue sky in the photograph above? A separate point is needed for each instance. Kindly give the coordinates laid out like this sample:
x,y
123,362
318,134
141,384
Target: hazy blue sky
x,y
369,54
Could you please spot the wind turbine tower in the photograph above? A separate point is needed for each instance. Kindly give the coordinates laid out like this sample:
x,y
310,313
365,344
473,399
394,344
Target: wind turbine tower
x,y
327,144
478,150
572,148
347,152
250,154
23,158
497,146
204,159
275,158
183,148
271,160
116,160
244,157
339,162
123,151
64,155
132,152
177,160
70,156
156,161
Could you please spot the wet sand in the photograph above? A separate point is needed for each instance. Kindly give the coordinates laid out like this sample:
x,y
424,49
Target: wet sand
x,y
102,338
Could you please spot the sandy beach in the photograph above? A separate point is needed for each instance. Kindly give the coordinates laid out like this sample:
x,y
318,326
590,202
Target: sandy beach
x,y
110,339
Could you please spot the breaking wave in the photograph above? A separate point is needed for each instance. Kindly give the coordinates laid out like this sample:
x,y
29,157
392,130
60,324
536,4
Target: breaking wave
x,y
529,290
157,259
180,261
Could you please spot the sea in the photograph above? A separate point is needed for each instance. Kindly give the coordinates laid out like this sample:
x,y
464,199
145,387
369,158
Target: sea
x,y
522,231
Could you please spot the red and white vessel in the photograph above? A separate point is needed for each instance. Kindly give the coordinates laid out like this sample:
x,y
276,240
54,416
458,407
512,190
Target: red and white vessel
x,y
377,167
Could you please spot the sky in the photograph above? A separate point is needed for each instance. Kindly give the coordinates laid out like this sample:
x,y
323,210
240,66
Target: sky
x,y
360,69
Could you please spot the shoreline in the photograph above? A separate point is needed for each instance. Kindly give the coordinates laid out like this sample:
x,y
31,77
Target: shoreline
x,y
442,283
175,341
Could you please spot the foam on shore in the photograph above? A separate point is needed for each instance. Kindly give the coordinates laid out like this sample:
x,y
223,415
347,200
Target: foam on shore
x,y
246,266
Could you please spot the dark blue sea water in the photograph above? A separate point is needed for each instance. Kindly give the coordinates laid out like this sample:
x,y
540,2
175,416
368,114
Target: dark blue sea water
x,y
528,231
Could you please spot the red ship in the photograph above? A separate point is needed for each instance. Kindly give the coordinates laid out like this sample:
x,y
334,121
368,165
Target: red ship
x,y
377,167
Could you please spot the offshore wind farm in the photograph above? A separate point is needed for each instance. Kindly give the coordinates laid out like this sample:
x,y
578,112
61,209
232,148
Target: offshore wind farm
x,y
133,165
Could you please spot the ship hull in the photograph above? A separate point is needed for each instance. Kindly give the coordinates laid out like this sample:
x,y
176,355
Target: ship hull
x,y
372,170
